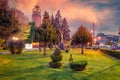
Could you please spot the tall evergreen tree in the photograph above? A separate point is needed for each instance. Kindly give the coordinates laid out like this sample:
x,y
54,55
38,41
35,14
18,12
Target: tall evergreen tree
x,y
63,29
58,21
82,36
66,30
32,32
46,33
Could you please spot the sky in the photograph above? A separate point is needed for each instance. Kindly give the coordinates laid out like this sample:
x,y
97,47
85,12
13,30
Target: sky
x,y
105,14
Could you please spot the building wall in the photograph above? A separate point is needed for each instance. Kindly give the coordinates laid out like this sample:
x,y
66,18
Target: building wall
x,y
36,16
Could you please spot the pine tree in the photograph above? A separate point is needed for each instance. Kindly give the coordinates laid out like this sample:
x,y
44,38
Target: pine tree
x,y
66,30
58,21
46,33
32,32
63,29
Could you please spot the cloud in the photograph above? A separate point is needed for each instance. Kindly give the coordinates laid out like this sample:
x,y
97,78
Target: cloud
x,y
76,11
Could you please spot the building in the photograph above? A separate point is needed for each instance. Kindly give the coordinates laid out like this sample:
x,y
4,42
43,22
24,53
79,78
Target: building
x,y
107,39
36,16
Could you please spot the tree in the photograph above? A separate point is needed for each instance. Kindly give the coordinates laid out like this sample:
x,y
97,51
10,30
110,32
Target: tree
x,y
53,23
32,32
62,28
9,24
24,32
66,30
82,36
46,33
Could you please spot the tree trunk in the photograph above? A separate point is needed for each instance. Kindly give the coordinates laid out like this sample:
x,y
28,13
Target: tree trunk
x,y
51,45
39,47
82,49
45,45
61,44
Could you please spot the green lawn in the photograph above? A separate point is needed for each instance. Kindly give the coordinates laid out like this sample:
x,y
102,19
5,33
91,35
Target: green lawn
x,y
34,66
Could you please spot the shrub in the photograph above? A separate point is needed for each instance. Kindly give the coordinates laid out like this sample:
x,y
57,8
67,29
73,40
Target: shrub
x,y
79,65
55,64
15,46
56,58
71,58
113,53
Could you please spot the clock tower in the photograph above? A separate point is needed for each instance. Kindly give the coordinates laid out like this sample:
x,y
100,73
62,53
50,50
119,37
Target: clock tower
x,y
36,16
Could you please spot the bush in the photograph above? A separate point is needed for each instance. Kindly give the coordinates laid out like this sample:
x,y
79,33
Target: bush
x,y
79,65
55,64
56,58
113,53
15,46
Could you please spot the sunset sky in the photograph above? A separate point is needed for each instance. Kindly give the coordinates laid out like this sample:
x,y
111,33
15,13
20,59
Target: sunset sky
x,y
104,13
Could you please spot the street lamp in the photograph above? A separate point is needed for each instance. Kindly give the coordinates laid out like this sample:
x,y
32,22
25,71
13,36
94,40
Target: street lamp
x,y
99,38
15,38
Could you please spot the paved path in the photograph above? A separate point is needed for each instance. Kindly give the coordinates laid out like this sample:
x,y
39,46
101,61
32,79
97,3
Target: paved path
x,y
4,52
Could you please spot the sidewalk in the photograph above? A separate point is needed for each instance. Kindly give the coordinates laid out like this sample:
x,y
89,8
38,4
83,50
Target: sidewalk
x,y
4,52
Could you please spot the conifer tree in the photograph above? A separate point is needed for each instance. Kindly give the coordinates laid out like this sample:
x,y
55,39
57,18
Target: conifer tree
x,y
32,32
46,33
66,30
63,29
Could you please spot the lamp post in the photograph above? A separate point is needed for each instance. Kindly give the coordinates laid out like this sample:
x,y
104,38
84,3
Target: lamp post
x,y
15,38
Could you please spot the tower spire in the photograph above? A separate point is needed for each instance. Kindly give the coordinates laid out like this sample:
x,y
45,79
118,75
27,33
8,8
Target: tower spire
x,y
119,33
36,16
93,29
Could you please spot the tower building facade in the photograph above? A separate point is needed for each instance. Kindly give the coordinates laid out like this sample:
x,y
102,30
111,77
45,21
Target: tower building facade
x,y
36,16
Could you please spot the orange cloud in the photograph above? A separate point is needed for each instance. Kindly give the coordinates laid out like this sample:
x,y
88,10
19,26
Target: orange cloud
x,y
73,11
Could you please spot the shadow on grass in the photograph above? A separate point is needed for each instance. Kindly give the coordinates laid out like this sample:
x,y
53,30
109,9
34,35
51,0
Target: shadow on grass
x,y
29,56
22,71
67,74
99,72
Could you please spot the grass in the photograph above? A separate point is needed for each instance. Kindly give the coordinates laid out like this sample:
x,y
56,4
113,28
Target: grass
x,y
32,65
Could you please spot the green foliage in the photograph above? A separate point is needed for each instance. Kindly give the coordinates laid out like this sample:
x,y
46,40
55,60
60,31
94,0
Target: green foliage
x,y
56,58
82,36
55,64
79,65
32,32
32,65
113,53
15,46
9,24
46,32
24,32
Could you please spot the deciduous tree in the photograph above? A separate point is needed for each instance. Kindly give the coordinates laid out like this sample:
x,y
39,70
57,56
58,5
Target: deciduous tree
x,y
82,36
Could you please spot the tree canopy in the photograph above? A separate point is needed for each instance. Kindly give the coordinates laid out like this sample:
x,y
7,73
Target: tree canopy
x,y
82,36
9,24
46,32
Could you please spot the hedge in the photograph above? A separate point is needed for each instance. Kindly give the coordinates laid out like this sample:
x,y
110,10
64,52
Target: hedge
x,y
113,53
